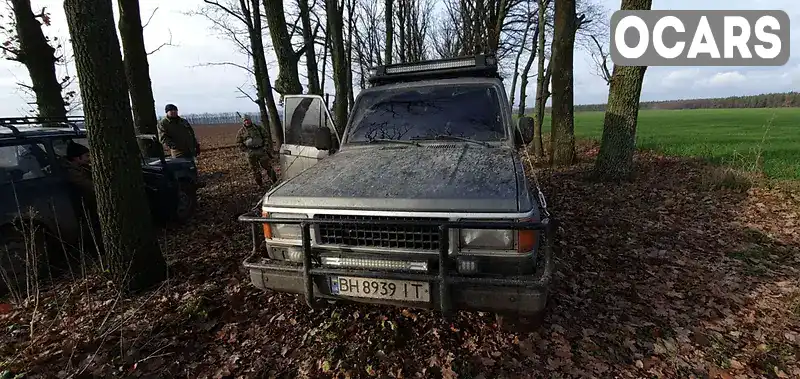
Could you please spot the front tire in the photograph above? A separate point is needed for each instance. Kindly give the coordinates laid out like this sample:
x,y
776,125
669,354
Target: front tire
x,y
187,201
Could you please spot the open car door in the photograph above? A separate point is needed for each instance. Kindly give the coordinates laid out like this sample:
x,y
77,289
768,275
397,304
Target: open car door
x,y
303,115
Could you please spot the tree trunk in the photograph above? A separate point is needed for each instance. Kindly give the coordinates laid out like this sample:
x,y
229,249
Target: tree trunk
x,y
562,143
516,63
389,31
335,24
401,32
523,93
137,73
288,82
325,48
311,59
541,85
267,107
39,58
133,253
615,159
350,21
542,94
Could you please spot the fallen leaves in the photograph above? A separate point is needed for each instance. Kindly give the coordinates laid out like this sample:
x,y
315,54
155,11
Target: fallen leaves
x,y
656,278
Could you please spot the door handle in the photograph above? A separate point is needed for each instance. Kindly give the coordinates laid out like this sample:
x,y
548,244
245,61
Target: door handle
x,y
287,152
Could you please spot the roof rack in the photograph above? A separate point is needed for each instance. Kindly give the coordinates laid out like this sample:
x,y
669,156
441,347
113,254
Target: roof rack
x,y
45,122
482,65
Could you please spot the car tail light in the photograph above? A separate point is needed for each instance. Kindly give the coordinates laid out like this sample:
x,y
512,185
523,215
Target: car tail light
x,y
526,239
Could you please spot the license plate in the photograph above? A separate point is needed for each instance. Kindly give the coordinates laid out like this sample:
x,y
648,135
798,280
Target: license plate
x,y
403,290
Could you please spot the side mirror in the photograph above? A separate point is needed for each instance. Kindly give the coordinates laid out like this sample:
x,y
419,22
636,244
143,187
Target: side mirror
x,y
323,138
524,133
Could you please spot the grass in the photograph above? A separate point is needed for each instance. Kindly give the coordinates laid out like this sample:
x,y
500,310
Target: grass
x,y
766,140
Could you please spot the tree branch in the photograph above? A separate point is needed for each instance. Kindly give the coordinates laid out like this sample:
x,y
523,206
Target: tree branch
x,y
246,95
227,10
243,67
150,18
168,43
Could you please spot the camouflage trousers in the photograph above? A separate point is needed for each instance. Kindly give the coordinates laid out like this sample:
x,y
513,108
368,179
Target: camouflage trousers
x,y
259,162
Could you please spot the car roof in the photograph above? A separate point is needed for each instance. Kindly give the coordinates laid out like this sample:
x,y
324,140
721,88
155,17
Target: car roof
x,y
28,132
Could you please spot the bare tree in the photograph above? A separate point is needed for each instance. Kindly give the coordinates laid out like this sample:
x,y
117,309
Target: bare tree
x,y
137,71
389,22
562,140
309,38
28,45
288,82
240,23
542,83
522,50
136,261
334,10
523,89
414,21
600,60
615,160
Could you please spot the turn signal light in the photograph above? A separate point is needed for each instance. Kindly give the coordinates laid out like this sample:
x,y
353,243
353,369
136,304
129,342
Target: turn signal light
x,y
267,228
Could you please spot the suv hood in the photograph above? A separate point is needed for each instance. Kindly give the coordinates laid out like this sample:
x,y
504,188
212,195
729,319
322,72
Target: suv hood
x,y
436,178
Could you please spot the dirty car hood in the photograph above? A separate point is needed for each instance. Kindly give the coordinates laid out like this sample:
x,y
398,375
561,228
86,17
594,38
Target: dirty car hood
x,y
445,178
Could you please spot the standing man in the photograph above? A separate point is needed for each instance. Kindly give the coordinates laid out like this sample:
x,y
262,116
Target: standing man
x,y
252,140
175,132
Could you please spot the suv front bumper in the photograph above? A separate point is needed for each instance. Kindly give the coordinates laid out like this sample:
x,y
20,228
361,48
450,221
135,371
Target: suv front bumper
x,y
449,290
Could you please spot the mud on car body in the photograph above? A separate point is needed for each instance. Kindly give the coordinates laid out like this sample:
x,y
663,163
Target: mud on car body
x,y
40,211
420,201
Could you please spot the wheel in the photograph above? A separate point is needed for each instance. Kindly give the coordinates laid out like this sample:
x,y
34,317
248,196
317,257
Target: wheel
x,y
187,201
22,252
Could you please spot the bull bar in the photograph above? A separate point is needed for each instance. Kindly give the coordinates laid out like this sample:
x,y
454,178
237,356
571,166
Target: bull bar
x,y
445,276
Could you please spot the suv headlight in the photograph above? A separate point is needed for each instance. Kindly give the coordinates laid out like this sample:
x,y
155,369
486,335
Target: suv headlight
x,y
523,241
487,239
283,231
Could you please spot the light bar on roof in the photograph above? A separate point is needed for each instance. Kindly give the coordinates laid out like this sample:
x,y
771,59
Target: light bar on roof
x,y
406,68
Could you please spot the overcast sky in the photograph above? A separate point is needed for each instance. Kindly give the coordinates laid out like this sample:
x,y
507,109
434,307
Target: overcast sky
x,y
178,79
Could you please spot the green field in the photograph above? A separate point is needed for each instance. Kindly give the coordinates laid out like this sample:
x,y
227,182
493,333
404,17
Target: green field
x,y
729,136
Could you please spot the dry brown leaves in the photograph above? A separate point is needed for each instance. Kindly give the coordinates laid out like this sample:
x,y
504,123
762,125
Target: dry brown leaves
x,y
656,278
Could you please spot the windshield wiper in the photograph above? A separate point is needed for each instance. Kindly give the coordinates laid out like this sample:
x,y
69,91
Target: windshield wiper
x,y
449,137
384,140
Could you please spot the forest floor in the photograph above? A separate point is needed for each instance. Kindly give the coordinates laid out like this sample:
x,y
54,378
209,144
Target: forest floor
x,y
681,273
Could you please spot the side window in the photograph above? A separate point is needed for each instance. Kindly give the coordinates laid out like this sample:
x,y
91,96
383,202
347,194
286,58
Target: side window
x,y
22,162
303,116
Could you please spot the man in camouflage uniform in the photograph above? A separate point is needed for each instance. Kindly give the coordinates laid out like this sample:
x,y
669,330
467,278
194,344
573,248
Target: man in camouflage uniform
x,y
252,140
177,134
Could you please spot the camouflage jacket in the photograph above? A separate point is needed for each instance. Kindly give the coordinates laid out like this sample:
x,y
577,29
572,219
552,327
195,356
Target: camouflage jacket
x,y
178,135
258,142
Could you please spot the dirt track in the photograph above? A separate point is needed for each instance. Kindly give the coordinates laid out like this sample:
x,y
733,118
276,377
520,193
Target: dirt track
x,y
656,278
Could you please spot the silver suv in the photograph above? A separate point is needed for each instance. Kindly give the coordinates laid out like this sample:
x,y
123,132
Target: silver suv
x,y
420,201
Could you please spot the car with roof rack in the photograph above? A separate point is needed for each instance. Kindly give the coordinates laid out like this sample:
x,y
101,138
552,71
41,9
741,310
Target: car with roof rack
x,y
420,201
34,190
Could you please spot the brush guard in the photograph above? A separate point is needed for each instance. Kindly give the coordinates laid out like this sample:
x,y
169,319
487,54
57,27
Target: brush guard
x,y
446,276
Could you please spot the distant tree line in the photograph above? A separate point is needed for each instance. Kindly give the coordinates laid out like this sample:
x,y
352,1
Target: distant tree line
x,y
219,118
767,100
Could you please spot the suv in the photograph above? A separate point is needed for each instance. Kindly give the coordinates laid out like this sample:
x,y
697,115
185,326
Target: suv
x,y
422,201
34,189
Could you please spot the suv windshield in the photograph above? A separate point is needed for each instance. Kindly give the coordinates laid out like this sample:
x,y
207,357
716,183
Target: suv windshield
x,y
417,113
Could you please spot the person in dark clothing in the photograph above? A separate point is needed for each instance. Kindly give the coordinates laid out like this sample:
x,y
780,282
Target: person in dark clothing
x,y
79,176
177,134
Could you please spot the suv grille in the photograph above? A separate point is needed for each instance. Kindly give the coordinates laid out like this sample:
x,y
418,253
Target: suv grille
x,y
414,237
